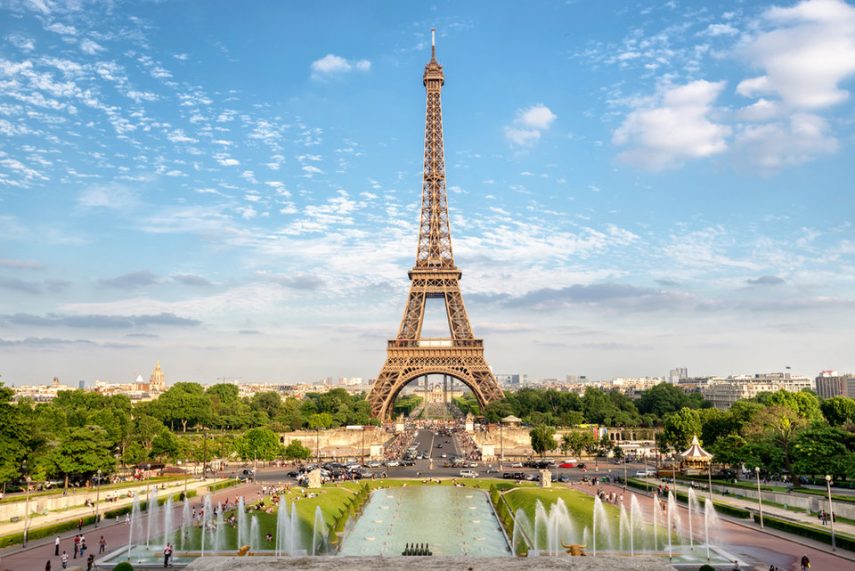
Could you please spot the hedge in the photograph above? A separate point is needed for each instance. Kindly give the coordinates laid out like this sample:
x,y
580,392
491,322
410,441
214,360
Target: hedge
x,y
810,532
221,485
721,508
57,528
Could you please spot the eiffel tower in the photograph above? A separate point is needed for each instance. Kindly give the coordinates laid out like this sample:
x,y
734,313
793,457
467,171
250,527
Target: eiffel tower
x,y
409,355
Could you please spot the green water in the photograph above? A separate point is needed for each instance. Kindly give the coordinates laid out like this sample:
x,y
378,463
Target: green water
x,y
452,521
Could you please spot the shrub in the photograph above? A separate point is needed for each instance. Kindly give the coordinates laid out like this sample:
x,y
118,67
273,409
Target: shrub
x,y
843,542
123,566
706,568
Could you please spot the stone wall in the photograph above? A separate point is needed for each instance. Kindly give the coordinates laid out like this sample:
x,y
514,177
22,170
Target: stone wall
x,y
340,442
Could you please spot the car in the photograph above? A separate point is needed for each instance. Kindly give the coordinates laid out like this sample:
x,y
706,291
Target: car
x,y
532,477
567,465
408,463
517,465
507,476
581,465
645,473
468,474
373,465
246,475
563,478
492,470
393,463
443,455
519,475
473,464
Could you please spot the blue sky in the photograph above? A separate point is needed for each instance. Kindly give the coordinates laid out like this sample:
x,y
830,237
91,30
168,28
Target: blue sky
x,y
233,188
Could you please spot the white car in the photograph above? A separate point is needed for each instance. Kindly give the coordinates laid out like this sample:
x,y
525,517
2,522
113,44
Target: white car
x,y
393,463
645,473
468,474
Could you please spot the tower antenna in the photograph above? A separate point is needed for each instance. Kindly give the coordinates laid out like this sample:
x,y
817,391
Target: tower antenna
x,y
433,43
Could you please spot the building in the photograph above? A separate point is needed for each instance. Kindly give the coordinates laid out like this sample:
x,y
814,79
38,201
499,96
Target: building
x,y
677,375
831,384
41,393
510,380
722,393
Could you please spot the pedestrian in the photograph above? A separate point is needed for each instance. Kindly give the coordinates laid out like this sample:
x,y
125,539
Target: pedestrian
x,y
64,560
80,524
82,547
167,553
56,547
805,563
47,565
102,545
76,546
90,562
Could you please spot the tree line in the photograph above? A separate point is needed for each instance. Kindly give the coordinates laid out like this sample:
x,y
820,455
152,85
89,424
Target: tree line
x,y
79,432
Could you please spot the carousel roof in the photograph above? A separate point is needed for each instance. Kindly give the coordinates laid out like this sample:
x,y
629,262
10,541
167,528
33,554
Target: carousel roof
x,y
695,451
510,419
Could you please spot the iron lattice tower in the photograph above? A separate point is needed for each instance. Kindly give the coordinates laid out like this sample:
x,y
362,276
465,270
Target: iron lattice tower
x,y
409,355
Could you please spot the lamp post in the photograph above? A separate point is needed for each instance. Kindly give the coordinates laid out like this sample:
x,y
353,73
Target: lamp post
x,y
759,495
624,475
27,507
204,453
362,448
831,512
709,476
97,496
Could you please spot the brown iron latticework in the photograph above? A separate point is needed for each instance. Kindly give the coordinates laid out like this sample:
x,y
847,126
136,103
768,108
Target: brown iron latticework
x,y
409,355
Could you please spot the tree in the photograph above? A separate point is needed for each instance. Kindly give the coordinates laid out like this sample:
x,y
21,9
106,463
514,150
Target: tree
x,y
771,434
320,421
227,409
680,427
185,404
730,450
165,445
258,443
820,450
665,398
576,441
12,437
85,451
296,451
542,439
838,410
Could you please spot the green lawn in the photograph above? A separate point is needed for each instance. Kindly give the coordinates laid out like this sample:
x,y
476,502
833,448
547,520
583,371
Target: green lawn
x,y
72,491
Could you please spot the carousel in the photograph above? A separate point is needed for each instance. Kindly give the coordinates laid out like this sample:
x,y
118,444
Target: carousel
x,y
695,461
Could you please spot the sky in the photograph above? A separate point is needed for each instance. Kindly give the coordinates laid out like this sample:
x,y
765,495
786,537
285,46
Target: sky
x,y
232,188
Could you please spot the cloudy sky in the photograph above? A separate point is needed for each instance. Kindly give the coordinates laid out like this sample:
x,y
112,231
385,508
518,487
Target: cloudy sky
x,y
233,188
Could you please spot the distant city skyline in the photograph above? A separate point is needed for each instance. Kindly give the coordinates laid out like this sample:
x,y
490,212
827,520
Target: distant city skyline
x,y
233,190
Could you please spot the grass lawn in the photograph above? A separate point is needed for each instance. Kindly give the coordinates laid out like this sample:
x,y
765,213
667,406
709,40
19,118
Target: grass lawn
x,y
72,491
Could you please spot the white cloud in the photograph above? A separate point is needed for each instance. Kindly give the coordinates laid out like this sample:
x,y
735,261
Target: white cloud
x,y
90,47
714,30
807,53
678,127
62,29
178,136
795,140
529,124
111,197
332,65
23,43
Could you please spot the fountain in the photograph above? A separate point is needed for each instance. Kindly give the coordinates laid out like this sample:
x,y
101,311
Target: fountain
x,y
711,524
186,523
206,520
242,536
219,530
168,521
134,524
286,530
151,521
635,521
318,531
254,534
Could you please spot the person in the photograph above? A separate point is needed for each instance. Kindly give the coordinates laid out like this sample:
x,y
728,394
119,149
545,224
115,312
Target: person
x,y
76,545
167,553
805,562
56,547
102,545
80,524
64,560
90,562
82,547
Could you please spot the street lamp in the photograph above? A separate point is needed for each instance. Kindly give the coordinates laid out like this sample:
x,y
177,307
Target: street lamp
x,y
831,512
759,495
27,507
97,496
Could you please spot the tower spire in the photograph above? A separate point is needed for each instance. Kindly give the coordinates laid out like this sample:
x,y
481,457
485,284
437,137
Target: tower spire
x,y
433,44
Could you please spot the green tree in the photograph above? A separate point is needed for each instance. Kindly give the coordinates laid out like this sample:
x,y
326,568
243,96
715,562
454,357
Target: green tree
x,y
730,450
771,434
321,421
296,451
165,446
13,437
258,444
576,441
82,453
838,410
227,409
820,450
542,439
666,398
680,427
183,404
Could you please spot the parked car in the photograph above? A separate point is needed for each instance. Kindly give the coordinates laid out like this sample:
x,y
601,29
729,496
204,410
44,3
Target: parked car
x,y
645,473
468,474
393,463
581,465
567,465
